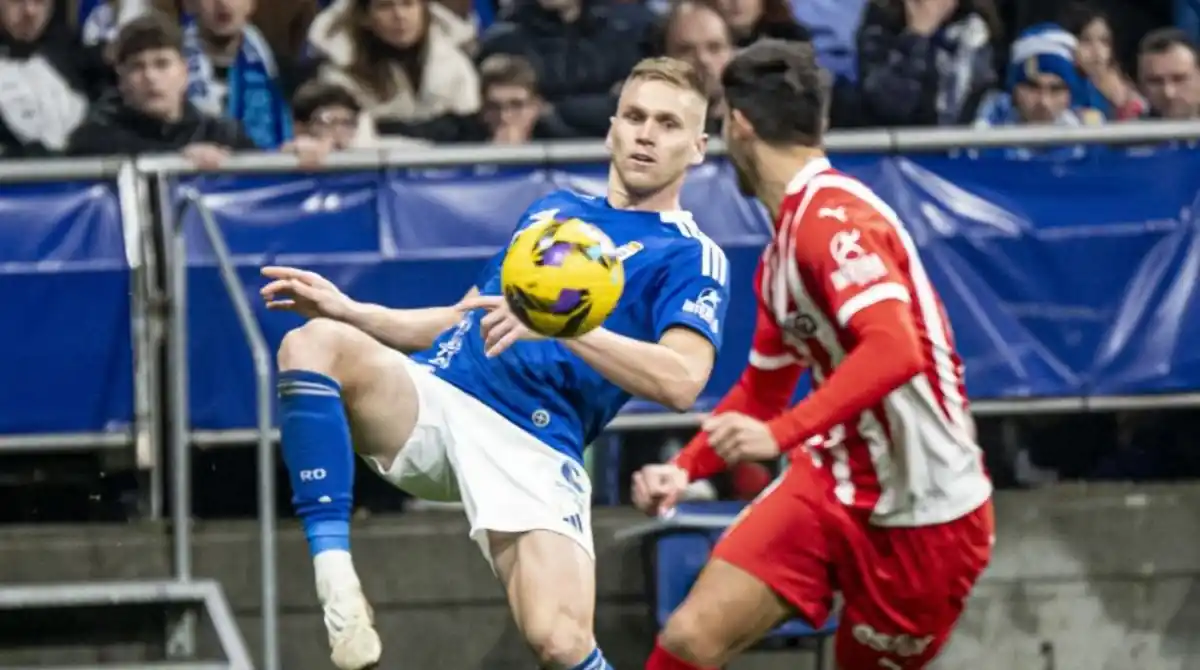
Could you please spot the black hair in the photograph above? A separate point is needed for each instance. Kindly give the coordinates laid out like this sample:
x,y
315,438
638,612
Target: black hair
x,y
778,86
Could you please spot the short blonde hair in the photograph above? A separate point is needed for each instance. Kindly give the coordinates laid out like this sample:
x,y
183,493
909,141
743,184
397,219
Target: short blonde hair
x,y
672,71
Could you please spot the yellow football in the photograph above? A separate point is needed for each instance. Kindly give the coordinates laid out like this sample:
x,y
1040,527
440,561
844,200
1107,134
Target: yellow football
x,y
562,278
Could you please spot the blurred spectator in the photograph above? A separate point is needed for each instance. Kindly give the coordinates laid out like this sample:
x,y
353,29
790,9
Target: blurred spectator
x,y
232,70
1187,17
326,112
1169,74
1115,94
752,20
442,20
1044,87
285,24
96,21
398,57
152,112
926,62
581,49
46,80
695,31
513,110
834,26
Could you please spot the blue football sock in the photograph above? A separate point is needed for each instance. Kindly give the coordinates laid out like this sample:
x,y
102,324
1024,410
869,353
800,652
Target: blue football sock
x,y
319,457
594,661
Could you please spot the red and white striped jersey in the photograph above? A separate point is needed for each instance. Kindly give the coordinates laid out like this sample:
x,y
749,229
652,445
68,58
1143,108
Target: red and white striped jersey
x,y
912,459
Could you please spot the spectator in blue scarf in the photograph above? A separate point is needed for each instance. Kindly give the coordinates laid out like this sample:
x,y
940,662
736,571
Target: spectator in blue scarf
x,y
233,71
1044,86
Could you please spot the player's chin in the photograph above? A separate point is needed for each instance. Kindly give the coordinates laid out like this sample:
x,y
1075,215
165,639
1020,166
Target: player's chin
x,y
644,181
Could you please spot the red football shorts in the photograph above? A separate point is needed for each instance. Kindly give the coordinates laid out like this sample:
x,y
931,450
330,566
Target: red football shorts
x,y
903,588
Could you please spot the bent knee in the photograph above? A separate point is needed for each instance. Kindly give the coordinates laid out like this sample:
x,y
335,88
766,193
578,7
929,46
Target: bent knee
x,y
562,644
319,346
693,634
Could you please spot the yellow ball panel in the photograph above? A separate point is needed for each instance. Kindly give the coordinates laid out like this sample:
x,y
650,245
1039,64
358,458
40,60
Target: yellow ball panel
x,y
562,278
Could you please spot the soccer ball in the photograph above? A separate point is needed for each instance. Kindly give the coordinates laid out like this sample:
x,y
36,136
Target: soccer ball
x,y
562,278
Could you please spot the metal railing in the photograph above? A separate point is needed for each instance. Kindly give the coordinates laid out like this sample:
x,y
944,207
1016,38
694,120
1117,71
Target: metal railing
x,y
179,414
137,180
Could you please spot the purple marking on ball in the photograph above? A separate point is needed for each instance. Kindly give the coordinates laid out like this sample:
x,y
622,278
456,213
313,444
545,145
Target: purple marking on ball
x,y
568,299
556,254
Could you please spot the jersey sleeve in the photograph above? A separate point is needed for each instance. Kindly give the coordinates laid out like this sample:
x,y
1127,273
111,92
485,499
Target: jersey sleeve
x,y
853,252
694,291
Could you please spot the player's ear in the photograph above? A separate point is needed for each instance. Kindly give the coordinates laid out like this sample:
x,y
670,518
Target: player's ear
x,y
701,149
612,121
739,125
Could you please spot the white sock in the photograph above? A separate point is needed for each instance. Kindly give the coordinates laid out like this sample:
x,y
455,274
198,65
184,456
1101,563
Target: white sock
x,y
335,572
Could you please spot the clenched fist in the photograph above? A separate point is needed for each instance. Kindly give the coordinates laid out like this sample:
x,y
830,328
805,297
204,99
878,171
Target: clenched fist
x,y
656,488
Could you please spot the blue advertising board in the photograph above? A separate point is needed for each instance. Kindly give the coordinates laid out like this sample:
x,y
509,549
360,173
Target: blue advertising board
x,y
1060,279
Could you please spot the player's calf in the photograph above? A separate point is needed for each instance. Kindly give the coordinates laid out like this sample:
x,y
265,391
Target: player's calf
x,y
322,376
550,583
727,610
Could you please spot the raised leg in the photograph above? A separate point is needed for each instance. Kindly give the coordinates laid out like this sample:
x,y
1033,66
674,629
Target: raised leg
x,y
334,381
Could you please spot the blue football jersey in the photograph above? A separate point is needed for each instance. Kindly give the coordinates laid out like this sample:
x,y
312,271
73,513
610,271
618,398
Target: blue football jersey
x,y
674,276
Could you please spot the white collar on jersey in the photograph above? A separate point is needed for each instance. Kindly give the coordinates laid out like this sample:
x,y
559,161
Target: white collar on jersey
x,y
811,169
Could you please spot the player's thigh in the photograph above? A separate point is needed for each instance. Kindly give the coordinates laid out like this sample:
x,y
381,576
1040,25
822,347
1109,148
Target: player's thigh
x,y
905,589
551,586
378,391
772,564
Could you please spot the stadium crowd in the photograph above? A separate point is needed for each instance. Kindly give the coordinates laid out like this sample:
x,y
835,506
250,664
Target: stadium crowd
x,y
93,77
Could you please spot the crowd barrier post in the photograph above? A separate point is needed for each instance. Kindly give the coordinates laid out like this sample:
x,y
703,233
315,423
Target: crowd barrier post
x,y
261,355
181,635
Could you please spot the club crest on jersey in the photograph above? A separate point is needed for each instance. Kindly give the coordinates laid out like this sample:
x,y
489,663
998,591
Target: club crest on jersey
x,y
855,266
801,325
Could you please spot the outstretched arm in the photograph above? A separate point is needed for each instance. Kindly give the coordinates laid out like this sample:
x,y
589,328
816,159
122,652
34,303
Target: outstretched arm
x,y
313,296
407,330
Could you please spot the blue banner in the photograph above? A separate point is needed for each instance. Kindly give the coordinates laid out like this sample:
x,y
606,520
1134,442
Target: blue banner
x,y
1059,279
65,344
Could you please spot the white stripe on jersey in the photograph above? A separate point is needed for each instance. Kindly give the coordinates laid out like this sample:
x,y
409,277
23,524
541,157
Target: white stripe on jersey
x,y
920,446
713,263
875,294
765,362
955,404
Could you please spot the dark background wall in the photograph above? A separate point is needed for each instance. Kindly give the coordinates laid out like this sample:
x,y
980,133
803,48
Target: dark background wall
x,y
1084,577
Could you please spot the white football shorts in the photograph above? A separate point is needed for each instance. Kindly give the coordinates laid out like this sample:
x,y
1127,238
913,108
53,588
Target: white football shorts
x,y
508,480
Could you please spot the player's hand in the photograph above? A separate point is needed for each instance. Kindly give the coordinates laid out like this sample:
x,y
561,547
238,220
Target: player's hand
x,y
500,328
737,437
656,488
310,151
306,293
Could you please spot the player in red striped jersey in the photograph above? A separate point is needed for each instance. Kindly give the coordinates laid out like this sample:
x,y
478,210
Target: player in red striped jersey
x,y
886,499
